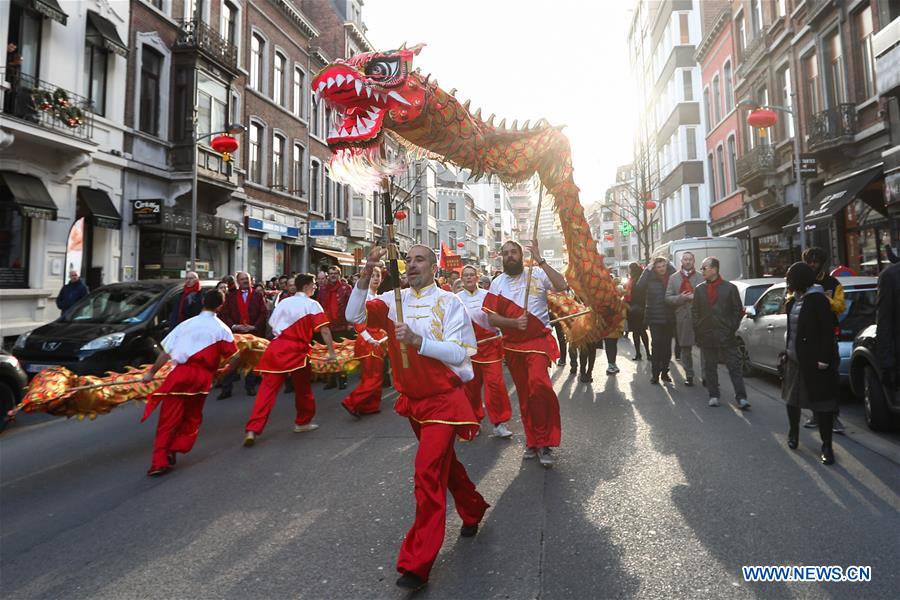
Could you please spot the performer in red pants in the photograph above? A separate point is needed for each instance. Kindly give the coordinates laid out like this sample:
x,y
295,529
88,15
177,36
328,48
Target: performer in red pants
x,y
530,348
439,340
488,363
293,323
369,350
197,346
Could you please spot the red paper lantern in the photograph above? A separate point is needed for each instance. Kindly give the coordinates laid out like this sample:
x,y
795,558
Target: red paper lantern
x,y
460,244
762,118
609,237
400,215
224,143
650,204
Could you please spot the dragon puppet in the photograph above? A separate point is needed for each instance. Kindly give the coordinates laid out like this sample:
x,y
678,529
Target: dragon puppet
x,y
375,94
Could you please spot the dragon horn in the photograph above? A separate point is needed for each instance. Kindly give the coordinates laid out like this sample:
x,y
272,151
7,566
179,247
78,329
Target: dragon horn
x,y
466,105
453,92
491,120
515,125
402,46
525,126
478,115
503,124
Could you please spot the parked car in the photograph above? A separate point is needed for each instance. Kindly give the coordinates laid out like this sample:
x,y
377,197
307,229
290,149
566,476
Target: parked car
x,y
12,384
882,406
115,325
751,289
761,335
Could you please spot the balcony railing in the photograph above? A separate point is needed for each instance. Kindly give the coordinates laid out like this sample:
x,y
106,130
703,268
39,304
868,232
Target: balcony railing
x,y
751,54
757,162
47,105
200,36
833,126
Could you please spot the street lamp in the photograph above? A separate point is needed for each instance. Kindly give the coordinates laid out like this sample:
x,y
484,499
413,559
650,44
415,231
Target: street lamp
x,y
796,117
233,129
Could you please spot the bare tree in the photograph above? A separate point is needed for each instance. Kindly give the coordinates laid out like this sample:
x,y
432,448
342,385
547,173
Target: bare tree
x,y
627,199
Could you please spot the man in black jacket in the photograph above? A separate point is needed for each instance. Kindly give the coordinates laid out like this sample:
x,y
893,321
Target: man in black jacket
x,y
717,312
71,292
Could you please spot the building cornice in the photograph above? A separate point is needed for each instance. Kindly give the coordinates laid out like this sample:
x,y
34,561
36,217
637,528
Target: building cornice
x,y
297,17
719,24
319,54
358,36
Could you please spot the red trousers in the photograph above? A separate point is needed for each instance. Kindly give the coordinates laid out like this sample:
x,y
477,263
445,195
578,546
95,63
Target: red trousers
x,y
366,398
177,428
537,400
496,399
268,392
437,470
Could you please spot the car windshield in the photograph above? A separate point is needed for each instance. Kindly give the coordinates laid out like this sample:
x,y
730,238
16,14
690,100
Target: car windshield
x,y
114,305
859,311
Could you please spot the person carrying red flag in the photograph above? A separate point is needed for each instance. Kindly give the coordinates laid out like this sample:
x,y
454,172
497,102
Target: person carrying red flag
x,y
293,323
438,341
197,346
529,345
369,350
488,363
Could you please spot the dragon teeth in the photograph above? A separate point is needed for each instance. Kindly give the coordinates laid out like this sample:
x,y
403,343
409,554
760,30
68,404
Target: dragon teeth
x,y
369,92
377,97
321,86
398,98
354,132
330,82
358,85
339,80
369,123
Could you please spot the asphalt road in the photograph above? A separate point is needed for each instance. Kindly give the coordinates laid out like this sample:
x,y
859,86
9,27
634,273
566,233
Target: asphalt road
x,y
655,495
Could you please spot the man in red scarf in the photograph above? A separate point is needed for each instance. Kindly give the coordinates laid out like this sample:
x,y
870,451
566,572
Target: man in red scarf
x,y
717,312
188,304
245,311
680,295
333,297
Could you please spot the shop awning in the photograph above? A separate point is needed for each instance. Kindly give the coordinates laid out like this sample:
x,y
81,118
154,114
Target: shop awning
x,y
764,223
103,33
50,9
30,194
832,198
103,213
344,259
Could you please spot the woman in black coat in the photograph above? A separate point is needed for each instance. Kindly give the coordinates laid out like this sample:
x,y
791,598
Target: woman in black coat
x,y
811,367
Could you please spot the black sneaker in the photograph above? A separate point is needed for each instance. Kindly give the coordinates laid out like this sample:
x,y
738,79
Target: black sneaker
x,y
410,581
331,383
224,394
342,382
468,530
827,455
837,426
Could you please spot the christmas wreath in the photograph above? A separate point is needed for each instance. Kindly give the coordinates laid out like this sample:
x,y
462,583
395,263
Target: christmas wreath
x,y
59,105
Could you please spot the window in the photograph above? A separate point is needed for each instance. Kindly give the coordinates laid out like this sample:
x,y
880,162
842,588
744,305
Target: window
x,y
329,209
687,86
255,167
683,28
229,23
695,201
770,303
691,135
278,143
787,122
756,19
314,190
811,77
729,88
14,244
712,177
299,77
717,100
297,180
95,61
315,118
720,167
741,36
157,3
257,54
732,158
835,69
780,8
433,208
278,78
706,108
151,65
212,104
451,211
866,66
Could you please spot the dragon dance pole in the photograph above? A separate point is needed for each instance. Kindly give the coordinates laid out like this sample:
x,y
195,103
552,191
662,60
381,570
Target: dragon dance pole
x,y
537,217
393,255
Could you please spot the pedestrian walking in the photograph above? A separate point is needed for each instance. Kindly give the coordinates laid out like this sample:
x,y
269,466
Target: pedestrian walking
x,y
369,349
293,323
70,293
635,301
197,346
189,303
811,377
245,311
680,295
530,349
437,340
658,316
831,286
717,312
488,361
333,297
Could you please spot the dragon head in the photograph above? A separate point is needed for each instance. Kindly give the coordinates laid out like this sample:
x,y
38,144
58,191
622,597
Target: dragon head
x,y
368,93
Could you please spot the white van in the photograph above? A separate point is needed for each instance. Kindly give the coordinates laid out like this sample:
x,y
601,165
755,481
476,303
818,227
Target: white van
x,y
728,250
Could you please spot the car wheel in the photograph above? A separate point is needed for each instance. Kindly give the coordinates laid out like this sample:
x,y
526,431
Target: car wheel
x,y
878,417
746,368
7,402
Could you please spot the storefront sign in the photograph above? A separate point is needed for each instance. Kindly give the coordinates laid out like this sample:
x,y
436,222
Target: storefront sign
x,y
146,212
334,242
172,219
808,166
272,227
323,228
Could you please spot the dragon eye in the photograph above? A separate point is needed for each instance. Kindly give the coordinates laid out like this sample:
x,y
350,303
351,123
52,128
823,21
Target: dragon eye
x,y
385,68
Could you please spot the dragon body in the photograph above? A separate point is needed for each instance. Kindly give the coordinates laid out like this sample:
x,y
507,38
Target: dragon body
x,y
374,93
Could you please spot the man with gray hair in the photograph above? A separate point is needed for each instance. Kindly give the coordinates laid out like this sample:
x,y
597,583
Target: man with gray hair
x,y
680,295
189,303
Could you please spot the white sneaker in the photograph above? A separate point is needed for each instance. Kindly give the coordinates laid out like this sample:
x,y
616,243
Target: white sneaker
x,y
530,453
546,457
249,439
307,427
502,431
743,404
713,401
